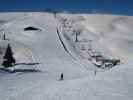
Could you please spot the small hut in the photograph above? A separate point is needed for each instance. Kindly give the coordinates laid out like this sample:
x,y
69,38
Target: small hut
x,y
31,28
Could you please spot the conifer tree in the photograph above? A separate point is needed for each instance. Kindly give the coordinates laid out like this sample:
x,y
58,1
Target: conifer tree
x,y
9,60
4,37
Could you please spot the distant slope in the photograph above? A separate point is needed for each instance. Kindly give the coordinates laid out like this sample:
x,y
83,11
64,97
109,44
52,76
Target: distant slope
x,y
110,34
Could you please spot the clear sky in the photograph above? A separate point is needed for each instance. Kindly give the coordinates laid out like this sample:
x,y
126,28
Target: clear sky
x,y
114,6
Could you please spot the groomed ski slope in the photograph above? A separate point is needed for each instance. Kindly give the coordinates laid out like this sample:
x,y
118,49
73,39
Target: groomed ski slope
x,y
45,47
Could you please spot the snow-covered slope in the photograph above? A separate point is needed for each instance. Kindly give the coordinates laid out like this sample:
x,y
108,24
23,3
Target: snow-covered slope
x,y
111,35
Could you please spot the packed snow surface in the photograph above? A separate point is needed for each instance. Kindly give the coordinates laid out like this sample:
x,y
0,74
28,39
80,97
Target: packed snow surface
x,y
53,47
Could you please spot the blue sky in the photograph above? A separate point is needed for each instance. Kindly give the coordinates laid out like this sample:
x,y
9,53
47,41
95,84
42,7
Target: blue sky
x,y
114,6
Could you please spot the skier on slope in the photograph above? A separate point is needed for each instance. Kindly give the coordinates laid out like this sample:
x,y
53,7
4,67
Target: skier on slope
x,y
61,77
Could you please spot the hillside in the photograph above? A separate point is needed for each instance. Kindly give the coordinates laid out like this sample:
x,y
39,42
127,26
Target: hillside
x,y
51,43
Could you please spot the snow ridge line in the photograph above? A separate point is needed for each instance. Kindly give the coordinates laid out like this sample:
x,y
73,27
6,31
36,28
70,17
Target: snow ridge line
x,y
63,44
57,31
